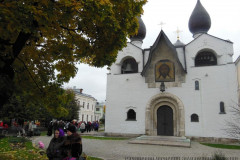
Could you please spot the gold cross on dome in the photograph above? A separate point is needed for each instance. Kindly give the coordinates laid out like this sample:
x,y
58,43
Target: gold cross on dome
x,y
177,32
161,24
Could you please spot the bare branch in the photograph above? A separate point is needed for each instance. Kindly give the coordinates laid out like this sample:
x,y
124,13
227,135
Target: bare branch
x,y
233,125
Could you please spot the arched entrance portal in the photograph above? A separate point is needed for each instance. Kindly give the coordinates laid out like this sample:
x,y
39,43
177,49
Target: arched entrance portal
x,y
160,105
165,121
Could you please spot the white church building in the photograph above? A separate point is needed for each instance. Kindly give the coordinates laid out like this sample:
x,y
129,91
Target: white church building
x,y
173,89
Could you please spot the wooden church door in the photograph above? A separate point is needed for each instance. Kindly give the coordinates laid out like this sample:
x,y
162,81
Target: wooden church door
x,y
165,121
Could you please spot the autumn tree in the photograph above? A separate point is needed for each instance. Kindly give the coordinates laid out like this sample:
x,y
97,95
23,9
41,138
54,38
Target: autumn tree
x,y
42,40
25,108
72,106
14,109
18,109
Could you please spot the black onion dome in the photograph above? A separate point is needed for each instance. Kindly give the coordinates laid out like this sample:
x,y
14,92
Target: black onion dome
x,y
178,43
200,21
141,31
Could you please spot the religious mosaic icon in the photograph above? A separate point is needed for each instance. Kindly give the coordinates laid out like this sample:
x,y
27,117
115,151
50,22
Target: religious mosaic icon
x,y
164,71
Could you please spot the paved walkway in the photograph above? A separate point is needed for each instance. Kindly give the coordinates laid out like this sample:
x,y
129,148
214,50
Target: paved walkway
x,y
122,150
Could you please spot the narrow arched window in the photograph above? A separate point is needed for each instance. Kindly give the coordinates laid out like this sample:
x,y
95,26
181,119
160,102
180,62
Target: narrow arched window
x,y
196,85
205,58
129,66
131,115
222,108
194,118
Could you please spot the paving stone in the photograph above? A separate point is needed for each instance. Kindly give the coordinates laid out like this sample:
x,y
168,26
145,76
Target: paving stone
x,y
122,150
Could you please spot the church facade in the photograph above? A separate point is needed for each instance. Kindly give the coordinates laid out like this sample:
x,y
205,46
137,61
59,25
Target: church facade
x,y
173,89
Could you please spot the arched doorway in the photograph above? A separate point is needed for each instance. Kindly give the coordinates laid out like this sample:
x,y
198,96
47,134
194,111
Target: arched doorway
x,y
176,108
165,121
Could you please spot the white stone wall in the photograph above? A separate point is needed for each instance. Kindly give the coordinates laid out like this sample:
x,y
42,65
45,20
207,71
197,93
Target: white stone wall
x,y
215,87
146,55
130,51
223,49
131,92
217,84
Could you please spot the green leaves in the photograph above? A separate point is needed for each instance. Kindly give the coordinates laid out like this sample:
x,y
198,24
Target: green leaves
x,y
43,40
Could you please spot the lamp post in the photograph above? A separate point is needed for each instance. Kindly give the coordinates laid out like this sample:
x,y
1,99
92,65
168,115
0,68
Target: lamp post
x,y
162,87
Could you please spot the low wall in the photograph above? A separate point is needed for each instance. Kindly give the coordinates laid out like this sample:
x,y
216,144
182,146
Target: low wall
x,y
214,140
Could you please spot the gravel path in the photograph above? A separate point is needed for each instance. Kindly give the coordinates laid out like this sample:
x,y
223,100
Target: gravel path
x,y
121,150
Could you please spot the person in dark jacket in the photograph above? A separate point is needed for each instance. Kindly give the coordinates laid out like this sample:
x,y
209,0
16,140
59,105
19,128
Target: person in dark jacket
x,y
73,143
55,150
50,127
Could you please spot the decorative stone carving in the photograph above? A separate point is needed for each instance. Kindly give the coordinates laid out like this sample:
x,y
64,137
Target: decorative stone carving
x,y
177,106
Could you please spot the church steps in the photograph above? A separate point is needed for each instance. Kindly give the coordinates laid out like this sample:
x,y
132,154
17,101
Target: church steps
x,y
162,140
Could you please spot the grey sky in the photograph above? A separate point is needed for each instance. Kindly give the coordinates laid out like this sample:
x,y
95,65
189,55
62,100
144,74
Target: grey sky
x,y
175,14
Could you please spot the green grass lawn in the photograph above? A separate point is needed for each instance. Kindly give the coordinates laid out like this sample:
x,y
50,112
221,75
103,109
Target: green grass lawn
x,y
18,149
104,138
93,158
223,146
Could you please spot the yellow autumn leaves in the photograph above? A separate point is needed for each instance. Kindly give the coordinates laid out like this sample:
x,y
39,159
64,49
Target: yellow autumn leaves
x,y
18,151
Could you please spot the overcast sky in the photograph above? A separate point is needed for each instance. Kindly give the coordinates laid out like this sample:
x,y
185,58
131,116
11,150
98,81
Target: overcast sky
x,y
174,14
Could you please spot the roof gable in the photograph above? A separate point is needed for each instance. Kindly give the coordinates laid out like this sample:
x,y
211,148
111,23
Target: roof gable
x,y
161,37
200,36
130,43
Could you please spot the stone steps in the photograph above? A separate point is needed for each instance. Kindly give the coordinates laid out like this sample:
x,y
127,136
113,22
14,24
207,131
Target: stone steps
x,y
162,140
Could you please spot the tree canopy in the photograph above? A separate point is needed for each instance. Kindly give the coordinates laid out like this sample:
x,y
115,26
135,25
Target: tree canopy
x,y
42,40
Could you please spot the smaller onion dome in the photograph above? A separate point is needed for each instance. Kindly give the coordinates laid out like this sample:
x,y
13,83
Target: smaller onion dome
x,y
178,43
200,21
141,31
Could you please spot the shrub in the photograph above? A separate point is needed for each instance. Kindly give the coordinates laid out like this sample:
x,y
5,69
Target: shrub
x,y
219,156
102,121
